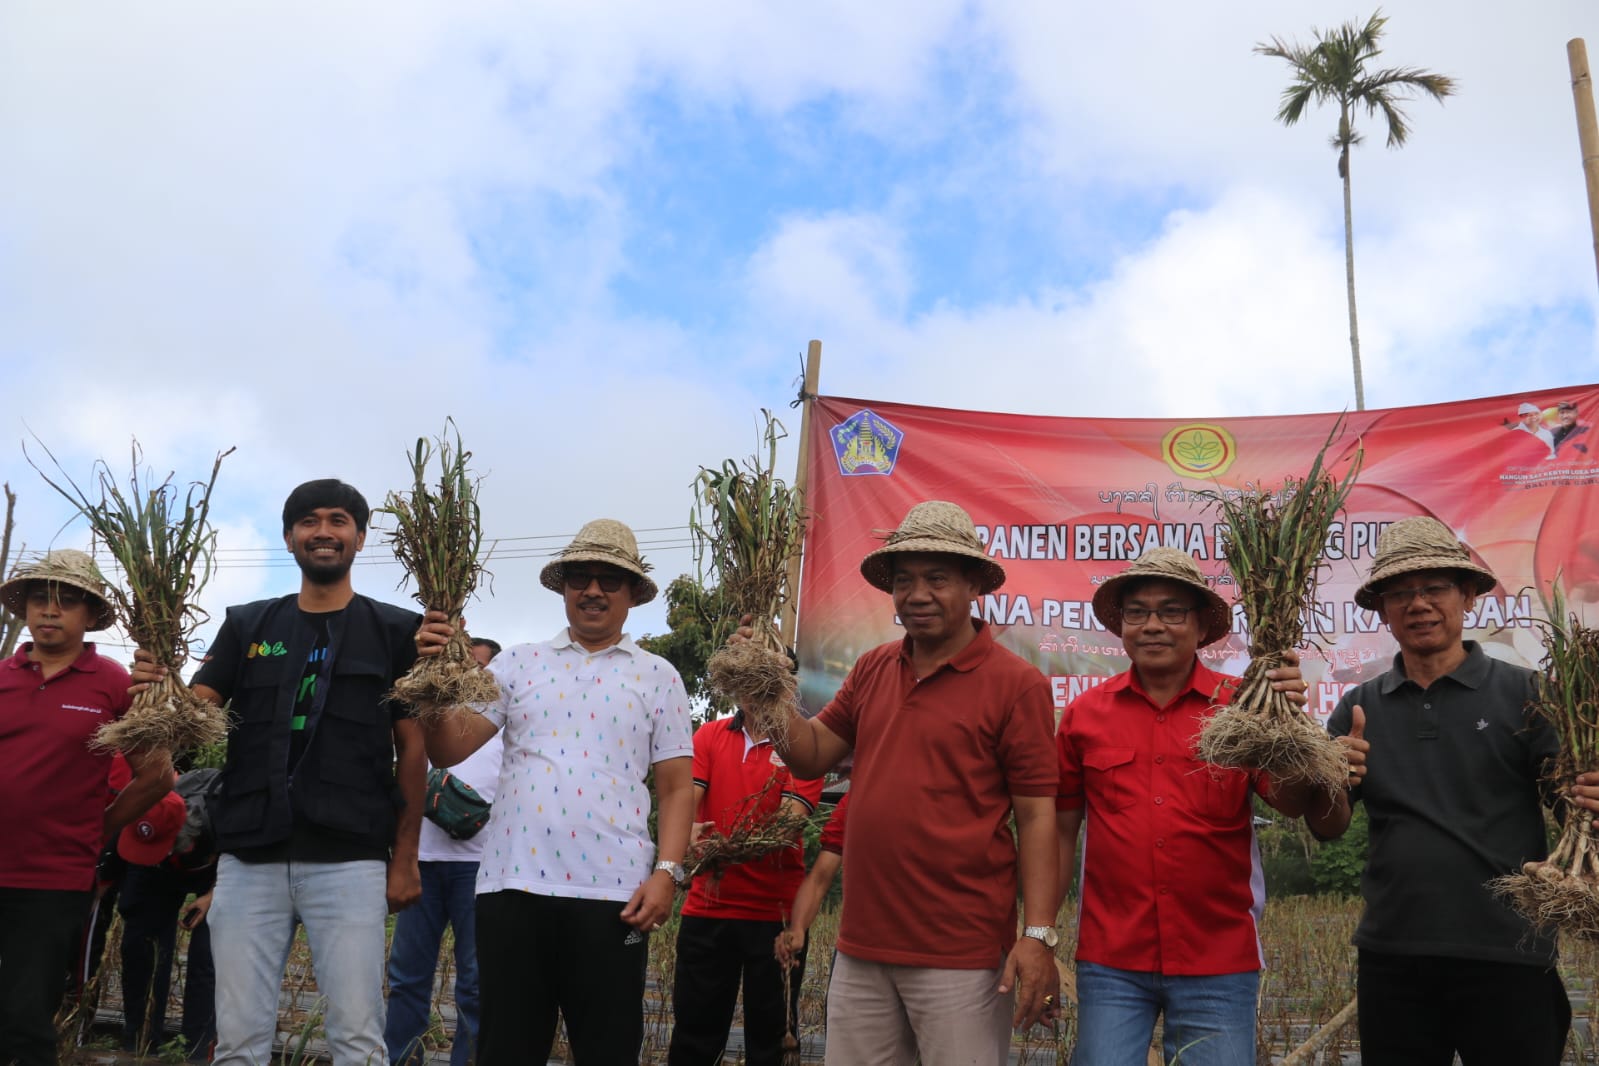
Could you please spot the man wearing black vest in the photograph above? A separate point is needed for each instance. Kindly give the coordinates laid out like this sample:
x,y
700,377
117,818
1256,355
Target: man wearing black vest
x,y
319,804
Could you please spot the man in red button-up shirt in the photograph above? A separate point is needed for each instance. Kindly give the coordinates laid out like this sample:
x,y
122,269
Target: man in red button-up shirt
x,y
730,919
1172,888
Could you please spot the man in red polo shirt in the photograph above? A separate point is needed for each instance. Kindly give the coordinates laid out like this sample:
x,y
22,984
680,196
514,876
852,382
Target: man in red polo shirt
x,y
55,694
729,921
950,733
1172,889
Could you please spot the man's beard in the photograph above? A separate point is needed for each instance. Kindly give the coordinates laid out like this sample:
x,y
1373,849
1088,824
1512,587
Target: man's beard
x,y
320,573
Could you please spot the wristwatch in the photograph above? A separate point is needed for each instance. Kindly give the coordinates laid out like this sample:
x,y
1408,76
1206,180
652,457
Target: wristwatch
x,y
674,870
1044,933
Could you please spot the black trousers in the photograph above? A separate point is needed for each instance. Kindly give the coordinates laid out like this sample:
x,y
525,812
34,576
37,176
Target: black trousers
x,y
1420,1010
40,932
151,902
539,956
714,957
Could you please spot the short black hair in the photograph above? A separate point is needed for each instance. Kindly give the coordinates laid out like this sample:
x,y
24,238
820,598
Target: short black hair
x,y
325,492
485,642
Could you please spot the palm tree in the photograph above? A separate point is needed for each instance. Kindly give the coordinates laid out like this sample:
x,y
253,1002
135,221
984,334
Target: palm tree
x,y
1335,68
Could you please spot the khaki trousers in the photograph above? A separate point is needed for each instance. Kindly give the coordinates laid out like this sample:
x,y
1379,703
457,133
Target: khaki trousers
x,y
882,1015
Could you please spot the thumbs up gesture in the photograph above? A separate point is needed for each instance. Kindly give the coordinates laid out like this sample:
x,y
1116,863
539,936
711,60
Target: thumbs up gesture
x,y
1356,746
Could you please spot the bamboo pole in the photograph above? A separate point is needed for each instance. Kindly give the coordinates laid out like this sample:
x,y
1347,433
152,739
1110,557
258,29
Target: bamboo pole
x,y
813,370
1587,131
11,626
1302,1054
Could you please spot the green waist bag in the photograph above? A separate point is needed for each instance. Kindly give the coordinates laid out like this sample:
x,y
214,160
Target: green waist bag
x,y
454,806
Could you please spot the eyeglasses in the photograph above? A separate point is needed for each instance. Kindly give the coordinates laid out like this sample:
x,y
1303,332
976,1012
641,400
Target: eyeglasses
x,y
578,580
1434,593
1169,613
57,594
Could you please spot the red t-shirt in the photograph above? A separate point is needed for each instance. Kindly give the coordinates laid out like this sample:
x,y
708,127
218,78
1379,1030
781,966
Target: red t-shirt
x,y
832,838
1171,880
53,790
733,779
932,863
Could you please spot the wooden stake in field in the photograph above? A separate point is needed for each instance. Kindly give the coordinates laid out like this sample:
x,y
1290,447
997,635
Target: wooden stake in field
x,y
1562,893
164,549
438,532
746,523
1273,544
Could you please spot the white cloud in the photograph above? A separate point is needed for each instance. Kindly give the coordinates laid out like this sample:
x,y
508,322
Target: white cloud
x,y
313,232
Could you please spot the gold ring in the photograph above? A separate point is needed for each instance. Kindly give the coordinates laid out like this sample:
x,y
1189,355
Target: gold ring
x,y
1049,1001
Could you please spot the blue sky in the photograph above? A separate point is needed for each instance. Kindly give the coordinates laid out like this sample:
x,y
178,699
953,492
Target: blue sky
x,y
600,236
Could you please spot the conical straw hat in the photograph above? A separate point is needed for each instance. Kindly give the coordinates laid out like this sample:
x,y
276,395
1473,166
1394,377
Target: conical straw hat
x,y
604,540
65,566
1421,543
933,527
1165,564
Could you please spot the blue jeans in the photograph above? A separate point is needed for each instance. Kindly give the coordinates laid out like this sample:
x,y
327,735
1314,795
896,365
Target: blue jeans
x,y
1210,1020
342,906
449,897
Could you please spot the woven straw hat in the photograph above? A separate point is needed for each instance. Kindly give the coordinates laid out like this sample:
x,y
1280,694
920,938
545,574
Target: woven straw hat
x,y
64,566
932,528
1165,564
1413,544
604,540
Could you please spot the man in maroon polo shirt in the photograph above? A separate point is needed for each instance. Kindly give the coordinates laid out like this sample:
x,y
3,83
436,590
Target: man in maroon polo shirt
x,y
1172,889
55,693
950,734
730,919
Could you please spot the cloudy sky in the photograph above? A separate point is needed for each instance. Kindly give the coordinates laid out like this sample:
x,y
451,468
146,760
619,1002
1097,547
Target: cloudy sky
x,y
600,235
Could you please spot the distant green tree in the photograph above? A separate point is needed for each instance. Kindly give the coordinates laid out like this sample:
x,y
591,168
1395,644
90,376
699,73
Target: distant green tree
x,y
1338,864
691,614
1335,68
1286,849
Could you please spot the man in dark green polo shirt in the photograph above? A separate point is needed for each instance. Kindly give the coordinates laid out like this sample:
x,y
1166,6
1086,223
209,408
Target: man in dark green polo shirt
x,y
1448,762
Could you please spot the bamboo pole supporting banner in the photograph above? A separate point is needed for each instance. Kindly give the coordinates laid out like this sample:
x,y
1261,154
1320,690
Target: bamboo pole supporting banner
x,y
813,371
1587,131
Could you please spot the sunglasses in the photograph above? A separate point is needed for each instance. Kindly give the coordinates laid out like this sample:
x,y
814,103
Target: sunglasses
x,y
579,580
57,594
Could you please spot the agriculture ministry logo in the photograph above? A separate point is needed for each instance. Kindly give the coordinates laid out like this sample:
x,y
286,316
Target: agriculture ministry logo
x,y
866,443
1199,450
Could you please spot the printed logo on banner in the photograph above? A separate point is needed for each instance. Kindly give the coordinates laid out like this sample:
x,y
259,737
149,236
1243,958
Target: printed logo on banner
x,y
1199,449
866,443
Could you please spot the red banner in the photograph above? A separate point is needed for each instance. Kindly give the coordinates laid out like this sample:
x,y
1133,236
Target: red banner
x,y
1064,503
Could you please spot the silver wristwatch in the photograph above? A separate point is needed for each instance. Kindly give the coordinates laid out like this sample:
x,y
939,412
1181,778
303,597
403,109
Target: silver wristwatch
x,y
674,870
1043,933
